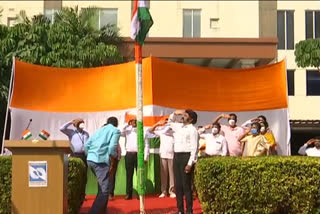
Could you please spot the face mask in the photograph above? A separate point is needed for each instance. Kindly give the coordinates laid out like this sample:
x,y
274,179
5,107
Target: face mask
x,y
232,122
254,131
215,131
81,126
262,129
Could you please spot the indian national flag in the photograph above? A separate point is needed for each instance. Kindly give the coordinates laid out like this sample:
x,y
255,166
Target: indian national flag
x,y
44,135
141,21
26,134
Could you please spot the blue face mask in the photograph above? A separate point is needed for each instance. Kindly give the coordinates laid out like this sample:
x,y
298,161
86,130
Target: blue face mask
x,y
254,131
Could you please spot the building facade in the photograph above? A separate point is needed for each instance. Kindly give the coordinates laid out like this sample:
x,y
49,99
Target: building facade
x,y
228,34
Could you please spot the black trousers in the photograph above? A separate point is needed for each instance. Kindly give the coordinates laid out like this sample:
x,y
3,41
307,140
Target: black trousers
x,y
112,179
182,181
131,164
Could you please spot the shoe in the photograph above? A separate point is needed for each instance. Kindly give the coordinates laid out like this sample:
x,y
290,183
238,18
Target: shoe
x,y
162,195
172,195
128,197
179,213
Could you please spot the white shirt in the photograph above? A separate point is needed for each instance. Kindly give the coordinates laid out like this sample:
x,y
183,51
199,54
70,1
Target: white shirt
x,y
131,145
166,140
215,144
76,138
313,152
185,138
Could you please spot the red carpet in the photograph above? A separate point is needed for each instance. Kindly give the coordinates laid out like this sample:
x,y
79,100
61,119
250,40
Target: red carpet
x,y
153,205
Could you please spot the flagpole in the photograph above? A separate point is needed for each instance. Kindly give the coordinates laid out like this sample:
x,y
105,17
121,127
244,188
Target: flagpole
x,y
139,100
8,104
140,135
141,21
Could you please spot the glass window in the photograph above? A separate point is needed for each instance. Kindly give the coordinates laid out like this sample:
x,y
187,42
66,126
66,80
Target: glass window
x,y
187,23
290,30
12,21
309,24
281,29
49,13
108,17
191,23
317,24
290,82
313,83
285,29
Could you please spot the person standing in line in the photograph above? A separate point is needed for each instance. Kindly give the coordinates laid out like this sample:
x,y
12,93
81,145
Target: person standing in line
x,y
253,142
101,150
232,132
185,155
311,148
216,144
77,137
162,130
129,131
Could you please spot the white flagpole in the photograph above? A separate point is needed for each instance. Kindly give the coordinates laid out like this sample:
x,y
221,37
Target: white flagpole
x,y
8,104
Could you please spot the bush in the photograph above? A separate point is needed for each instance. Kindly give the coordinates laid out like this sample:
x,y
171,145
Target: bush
x,y
77,179
5,184
258,184
76,184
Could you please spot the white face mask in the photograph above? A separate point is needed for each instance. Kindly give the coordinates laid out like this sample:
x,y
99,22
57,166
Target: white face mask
x,y
81,126
215,131
232,122
262,129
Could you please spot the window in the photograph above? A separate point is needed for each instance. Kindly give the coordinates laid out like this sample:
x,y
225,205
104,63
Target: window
x,y
49,13
313,83
191,23
285,29
107,17
290,82
312,24
12,21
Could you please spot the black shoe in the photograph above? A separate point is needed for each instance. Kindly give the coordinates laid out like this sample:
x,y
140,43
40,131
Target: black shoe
x,y
128,197
179,213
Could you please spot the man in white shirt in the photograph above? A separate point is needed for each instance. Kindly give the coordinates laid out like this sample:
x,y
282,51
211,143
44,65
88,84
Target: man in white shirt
x,y
185,155
162,130
216,144
131,146
77,137
311,151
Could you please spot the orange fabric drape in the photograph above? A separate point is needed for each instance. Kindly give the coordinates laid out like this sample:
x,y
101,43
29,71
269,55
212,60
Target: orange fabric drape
x,y
79,90
206,89
165,84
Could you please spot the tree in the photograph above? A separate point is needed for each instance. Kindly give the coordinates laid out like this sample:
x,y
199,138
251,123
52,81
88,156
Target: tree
x,y
72,41
307,53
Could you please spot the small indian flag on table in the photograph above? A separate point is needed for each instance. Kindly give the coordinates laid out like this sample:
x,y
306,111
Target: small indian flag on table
x,y
44,135
26,134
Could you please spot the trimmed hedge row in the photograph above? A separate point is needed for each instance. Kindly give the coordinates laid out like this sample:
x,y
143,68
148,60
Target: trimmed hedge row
x,y
76,184
258,184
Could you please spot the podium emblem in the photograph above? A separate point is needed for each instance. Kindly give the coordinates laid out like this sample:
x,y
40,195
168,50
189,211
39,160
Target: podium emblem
x,y
38,176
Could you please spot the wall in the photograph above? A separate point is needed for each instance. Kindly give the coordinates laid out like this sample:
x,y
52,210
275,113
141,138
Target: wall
x,y
300,105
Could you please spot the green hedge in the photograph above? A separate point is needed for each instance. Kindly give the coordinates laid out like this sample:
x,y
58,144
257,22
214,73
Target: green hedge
x,y
77,179
258,185
76,184
5,184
